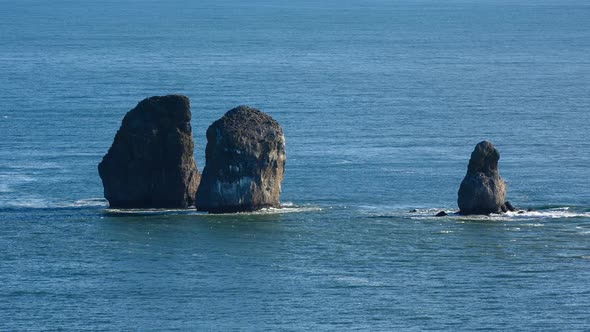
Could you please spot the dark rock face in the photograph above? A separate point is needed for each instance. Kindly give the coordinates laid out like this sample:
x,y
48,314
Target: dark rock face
x,y
151,163
245,163
482,191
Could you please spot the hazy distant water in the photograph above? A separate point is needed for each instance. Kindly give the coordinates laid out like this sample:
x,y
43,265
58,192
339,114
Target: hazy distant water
x,y
381,101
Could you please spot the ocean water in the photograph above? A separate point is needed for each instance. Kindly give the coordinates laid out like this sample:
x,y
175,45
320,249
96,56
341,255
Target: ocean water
x,y
382,103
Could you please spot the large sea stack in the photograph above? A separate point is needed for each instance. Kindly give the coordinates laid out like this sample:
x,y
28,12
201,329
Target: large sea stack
x,y
482,191
151,163
245,163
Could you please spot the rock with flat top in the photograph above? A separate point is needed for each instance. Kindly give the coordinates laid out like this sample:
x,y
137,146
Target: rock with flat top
x,y
245,163
151,163
482,191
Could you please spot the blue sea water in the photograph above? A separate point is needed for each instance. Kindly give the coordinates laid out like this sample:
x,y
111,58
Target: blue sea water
x,y
382,103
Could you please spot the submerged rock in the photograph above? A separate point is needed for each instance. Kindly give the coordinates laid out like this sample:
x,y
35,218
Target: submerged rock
x,y
441,214
151,163
245,163
482,191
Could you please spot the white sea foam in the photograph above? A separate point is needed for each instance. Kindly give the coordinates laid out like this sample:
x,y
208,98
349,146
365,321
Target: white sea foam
x,y
287,207
101,203
153,211
88,202
532,216
555,213
533,225
31,203
15,178
42,203
36,166
10,180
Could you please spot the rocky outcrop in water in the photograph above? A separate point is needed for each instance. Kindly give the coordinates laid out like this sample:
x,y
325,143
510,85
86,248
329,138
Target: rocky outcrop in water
x,y
508,207
151,163
245,162
482,191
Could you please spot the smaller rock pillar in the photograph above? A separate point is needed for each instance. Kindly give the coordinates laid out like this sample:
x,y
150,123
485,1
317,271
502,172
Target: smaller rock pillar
x,y
482,191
